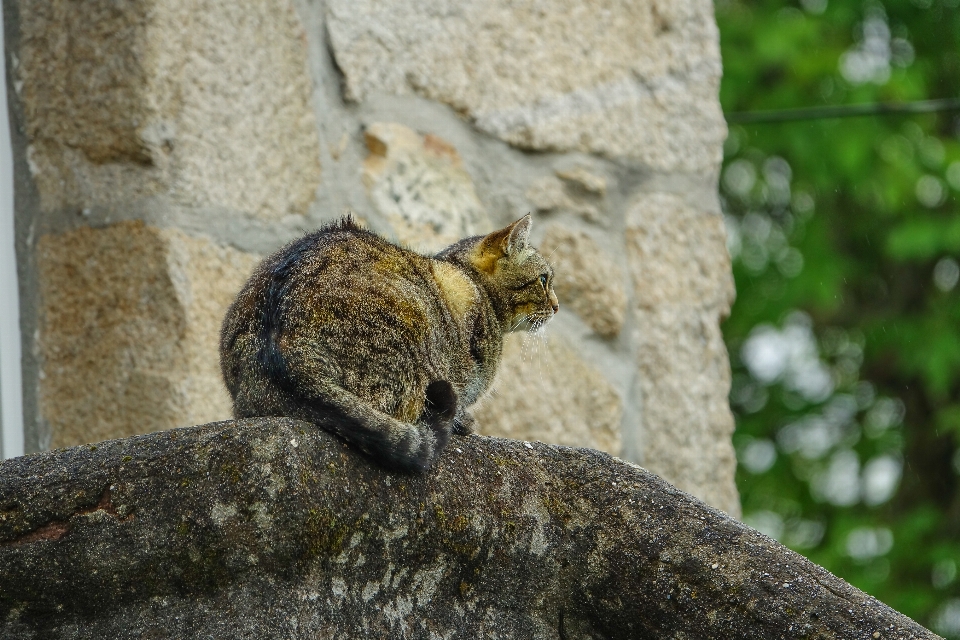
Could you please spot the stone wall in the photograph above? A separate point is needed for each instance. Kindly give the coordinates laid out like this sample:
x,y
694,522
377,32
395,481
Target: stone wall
x,y
163,146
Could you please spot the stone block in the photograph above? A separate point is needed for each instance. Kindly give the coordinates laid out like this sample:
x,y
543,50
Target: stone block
x,y
550,193
418,183
544,391
129,328
683,378
206,101
627,79
585,179
678,254
683,288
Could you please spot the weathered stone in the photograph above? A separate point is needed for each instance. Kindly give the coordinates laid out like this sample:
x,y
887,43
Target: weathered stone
x,y
269,528
625,79
585,179
678,254
549,194
546,392
419,184
130,318
134,98
683,374
587,279
683,288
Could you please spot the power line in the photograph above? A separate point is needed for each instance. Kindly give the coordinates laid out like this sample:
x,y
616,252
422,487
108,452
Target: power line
x,y
843,111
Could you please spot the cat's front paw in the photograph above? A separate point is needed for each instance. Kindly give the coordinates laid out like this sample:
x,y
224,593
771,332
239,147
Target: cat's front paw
x,y
464,423
440,412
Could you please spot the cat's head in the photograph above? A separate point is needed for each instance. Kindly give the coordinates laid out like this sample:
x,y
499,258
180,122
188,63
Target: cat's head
x,y
515,272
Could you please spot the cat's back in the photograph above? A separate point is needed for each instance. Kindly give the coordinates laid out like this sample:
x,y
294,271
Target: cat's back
x,y
339,279
333,302
345,273
339,258
340,250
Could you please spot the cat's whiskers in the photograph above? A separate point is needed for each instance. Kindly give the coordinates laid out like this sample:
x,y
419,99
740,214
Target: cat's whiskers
x,y
535,346
557,248
540,350
538,336
559,264
526,351
519,322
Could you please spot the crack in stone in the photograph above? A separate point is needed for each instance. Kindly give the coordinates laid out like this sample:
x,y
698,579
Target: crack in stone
x,y
57,529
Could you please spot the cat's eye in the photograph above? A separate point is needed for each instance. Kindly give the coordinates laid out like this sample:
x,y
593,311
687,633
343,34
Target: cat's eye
x,y
543,281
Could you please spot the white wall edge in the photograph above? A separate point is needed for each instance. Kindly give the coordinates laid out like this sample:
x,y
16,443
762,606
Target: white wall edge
x,y
11,397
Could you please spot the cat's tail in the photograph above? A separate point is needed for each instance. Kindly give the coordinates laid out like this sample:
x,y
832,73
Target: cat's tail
x,y
394,444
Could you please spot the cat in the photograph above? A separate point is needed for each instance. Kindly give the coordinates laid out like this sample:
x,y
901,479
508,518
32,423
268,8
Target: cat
x,y
380,345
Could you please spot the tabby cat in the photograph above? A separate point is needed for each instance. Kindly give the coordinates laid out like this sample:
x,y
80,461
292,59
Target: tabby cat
x,y
381,346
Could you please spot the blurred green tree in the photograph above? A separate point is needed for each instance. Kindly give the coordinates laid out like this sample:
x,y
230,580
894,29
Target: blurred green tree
x,y
845,336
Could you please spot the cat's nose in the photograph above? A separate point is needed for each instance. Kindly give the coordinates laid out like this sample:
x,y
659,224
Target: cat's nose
x,y
556,307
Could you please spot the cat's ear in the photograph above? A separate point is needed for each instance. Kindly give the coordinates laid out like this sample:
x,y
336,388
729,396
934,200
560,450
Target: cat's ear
x,y
510,240
505,242
519,237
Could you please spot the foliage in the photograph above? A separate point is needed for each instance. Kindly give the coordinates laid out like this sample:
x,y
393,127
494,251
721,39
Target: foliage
x,y
845,337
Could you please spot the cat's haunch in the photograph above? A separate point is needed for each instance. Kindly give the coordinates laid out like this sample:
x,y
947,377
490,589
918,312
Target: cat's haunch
x,y
379,345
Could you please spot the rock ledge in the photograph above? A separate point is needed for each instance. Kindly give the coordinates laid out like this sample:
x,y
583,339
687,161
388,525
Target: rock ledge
x,y
268,528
